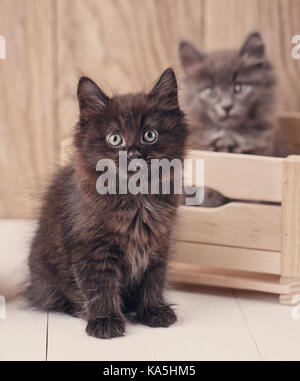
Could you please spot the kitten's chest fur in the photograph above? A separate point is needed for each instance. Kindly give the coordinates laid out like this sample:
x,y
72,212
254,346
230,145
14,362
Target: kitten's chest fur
x,y
142,234
139,228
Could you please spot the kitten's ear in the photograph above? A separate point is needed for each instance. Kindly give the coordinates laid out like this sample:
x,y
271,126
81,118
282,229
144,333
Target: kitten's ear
x,y
189,55
253,46
90,97
165,90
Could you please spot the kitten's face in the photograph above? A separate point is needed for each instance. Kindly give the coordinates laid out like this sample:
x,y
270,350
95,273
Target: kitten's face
x,y
227,87
147,126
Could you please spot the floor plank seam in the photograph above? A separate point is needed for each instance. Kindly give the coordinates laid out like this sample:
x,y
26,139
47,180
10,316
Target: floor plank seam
x,y
247,324
47,336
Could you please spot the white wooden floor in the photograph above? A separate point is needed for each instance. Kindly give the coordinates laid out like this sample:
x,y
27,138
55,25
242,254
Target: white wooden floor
x,y
213,324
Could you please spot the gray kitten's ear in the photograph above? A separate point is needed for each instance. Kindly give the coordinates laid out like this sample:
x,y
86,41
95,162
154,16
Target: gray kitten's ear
x,y
253,46
189,55
90,97
165,90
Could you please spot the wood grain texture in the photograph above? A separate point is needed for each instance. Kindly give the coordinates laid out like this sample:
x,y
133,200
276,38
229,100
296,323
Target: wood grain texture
x,y
241,177
235,224
290,259
292,298
227,257
28,128
186,273
122,45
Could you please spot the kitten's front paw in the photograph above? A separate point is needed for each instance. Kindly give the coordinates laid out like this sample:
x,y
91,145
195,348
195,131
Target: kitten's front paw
x,y
106,328
224,144
161,316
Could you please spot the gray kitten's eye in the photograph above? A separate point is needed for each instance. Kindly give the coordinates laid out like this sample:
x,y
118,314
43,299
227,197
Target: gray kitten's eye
x,y
239,87
150,136
115,140
208,92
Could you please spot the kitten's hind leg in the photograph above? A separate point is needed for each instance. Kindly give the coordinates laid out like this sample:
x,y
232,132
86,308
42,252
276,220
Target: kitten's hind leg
x,y
50,299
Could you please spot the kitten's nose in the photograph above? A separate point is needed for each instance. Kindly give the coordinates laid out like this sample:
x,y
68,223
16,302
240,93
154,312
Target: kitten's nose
x,y
134,153
227,108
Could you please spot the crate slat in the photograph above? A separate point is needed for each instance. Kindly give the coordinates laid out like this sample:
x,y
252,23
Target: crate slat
x,y
291,218
233,258
183,273
242,177
253,226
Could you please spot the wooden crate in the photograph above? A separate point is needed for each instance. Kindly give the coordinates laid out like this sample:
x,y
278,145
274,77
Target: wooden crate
x,y
243,245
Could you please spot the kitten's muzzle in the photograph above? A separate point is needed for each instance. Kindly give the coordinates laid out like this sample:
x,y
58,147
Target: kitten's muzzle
x,y
134,153
227,108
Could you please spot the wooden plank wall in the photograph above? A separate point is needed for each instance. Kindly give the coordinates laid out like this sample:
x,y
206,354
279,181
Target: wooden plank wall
x,y
123,45
28,117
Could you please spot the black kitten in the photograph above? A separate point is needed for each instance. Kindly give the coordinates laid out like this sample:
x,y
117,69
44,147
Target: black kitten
x,y
100,256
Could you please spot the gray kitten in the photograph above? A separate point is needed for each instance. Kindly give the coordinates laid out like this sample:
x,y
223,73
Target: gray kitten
x,y
229,98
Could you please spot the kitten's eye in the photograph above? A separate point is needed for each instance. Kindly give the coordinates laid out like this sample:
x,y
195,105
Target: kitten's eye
x,y
208,92
115,140
239,87
150,136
